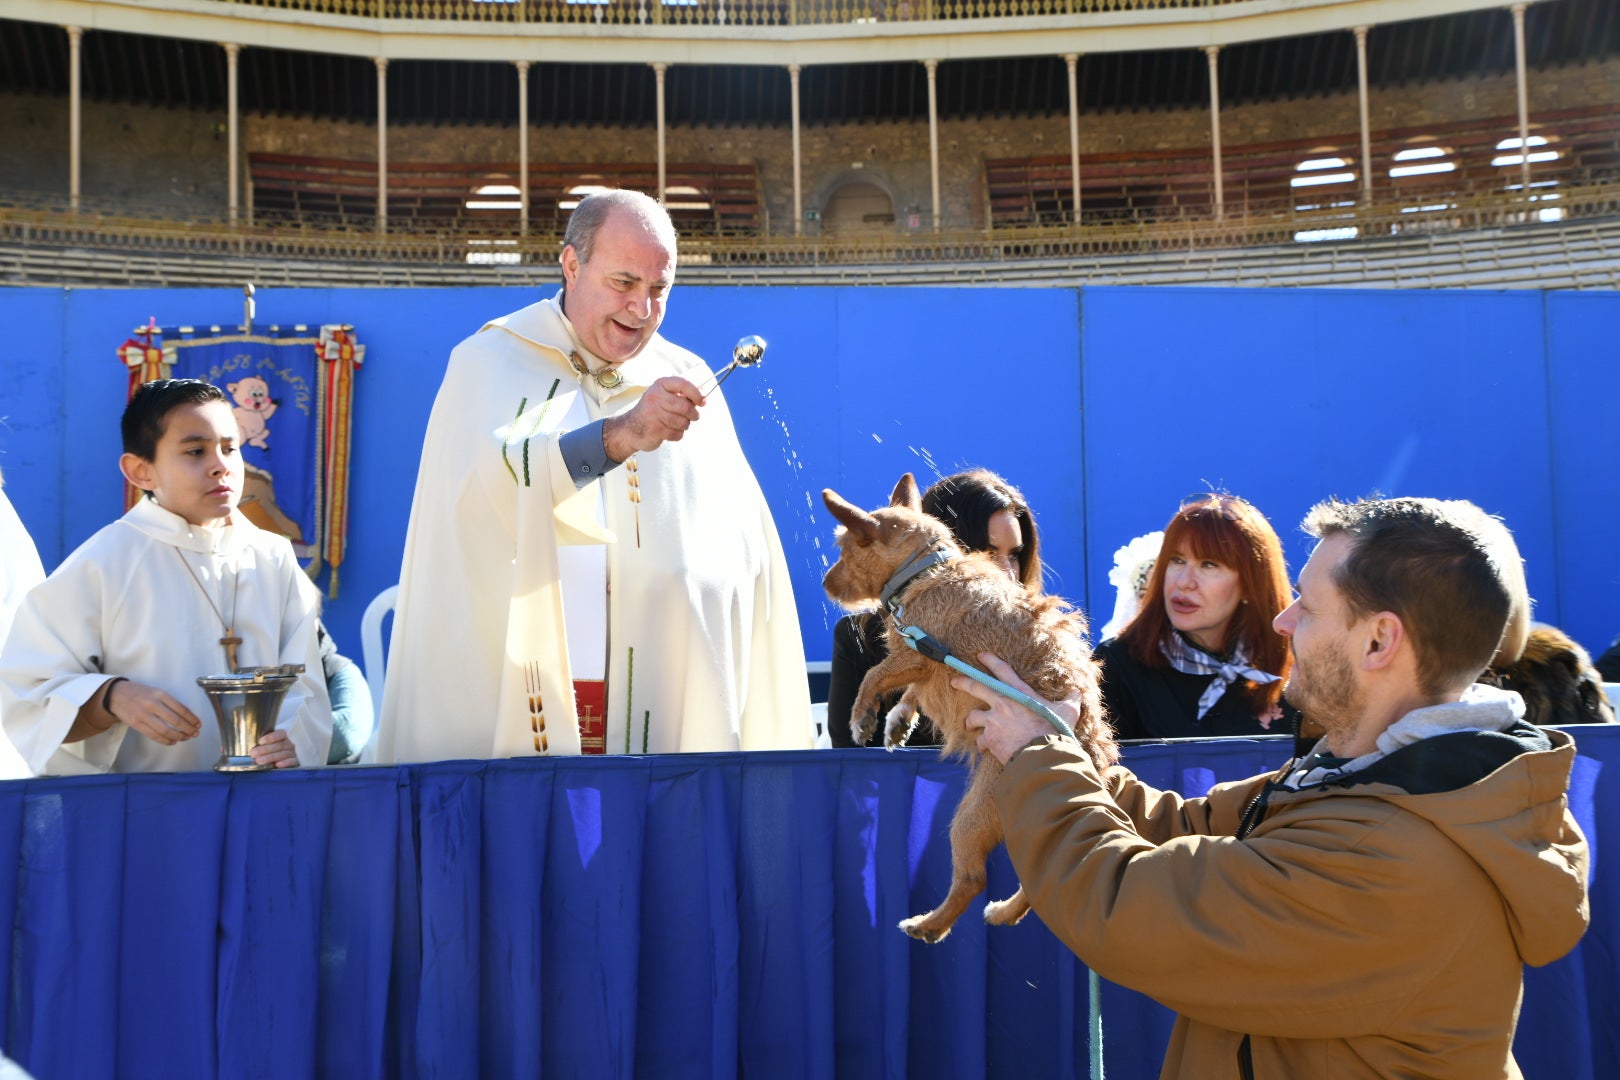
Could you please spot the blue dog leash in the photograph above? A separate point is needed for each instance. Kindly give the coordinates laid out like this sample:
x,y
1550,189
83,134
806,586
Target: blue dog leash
x,y
931,557
920,642
929,647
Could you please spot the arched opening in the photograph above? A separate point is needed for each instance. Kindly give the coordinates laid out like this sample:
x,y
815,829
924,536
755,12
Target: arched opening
x,y
1510,154
495,197
1425,178
685,197
1324,193
577,193
858,205
508,201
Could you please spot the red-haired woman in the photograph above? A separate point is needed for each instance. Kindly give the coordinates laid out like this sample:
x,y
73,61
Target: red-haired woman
x,y
1201,658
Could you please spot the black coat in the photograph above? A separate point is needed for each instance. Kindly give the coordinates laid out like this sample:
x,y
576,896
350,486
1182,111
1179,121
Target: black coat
x,y
858,647
1608,665
1162,703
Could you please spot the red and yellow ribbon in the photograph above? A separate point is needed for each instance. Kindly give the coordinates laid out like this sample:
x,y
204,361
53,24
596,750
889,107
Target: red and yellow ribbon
x,y
339,356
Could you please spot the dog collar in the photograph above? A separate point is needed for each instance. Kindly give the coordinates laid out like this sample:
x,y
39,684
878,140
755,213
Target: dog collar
x,y
915,567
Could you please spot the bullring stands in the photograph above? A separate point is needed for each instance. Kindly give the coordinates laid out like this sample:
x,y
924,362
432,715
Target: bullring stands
x,y
1576,254
1427,164
706,200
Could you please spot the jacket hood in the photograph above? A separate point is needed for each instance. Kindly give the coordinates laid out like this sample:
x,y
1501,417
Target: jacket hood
x,y
1500,796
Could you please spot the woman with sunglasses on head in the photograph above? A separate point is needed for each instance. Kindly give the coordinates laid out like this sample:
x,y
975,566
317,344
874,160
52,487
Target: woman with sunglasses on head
x,y
985,514
1200,657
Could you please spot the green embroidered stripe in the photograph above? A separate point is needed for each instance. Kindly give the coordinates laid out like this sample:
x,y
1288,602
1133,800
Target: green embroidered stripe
x,y
539,416
523,404
645,718
629,683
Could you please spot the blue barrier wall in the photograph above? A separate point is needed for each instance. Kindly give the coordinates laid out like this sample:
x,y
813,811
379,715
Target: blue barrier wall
x,y
1105,405
699,915
1287,396
1583,377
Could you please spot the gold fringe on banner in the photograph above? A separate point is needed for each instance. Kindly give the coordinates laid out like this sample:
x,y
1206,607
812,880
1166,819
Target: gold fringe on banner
x,y
340,356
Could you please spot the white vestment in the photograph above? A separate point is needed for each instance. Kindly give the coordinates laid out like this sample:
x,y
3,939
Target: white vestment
x,y
125,604
20,568
704,650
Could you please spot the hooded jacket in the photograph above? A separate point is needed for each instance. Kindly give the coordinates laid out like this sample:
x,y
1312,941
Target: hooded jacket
x,y
1368,920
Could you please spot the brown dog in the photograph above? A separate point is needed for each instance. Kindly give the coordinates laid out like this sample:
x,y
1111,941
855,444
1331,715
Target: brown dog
x,y
969,605
1556,678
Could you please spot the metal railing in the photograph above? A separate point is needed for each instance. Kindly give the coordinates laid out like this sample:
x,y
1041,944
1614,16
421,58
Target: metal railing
x,y
50,224
716,12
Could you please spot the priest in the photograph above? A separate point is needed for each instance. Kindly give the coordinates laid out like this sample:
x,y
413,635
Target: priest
x,y
590,566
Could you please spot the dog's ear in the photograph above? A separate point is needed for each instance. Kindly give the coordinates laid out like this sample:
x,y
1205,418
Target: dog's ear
x,y
1595,700
861,525
906,494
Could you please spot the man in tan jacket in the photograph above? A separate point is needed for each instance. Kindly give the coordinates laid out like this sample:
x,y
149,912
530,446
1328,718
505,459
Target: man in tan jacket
x,y
1367,910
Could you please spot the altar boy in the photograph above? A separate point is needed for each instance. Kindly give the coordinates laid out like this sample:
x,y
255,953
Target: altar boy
x,y
99,673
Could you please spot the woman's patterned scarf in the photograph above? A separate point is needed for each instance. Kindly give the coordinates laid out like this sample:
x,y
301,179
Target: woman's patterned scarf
x,y
1190,659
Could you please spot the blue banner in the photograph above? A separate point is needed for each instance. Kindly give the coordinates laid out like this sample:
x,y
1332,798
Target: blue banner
x,y
271,384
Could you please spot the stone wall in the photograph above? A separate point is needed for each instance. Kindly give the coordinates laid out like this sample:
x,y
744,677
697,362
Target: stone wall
x,y
175,160
170,160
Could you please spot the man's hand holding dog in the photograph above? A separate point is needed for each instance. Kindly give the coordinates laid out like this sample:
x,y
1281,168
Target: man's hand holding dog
x,y
663,414
1003,726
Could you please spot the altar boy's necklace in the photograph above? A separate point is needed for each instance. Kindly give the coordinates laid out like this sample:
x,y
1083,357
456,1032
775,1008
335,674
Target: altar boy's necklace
x,y
229,640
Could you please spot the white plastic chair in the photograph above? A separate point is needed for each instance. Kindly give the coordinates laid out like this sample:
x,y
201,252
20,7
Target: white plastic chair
x,y
818,725
818,709
372,648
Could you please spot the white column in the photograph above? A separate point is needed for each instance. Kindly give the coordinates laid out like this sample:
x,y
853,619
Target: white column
x,y
75,134
232,51
523,146
933,133
1524,99
1366,134
798,190
382,144
659,69
1213,51
1071,60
